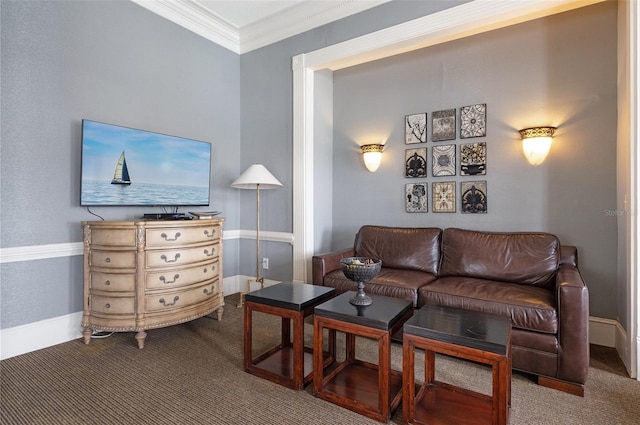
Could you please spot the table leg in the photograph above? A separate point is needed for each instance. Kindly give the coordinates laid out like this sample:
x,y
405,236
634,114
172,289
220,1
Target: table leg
x,y
247,335
350,343
286,332
317,355
429,366
298,351
500,392
384,369
408,381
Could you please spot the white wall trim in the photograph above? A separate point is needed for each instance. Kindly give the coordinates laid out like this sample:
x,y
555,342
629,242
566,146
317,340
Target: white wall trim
x,y
37,335
40,252
286,23
456,22
70,249
46,333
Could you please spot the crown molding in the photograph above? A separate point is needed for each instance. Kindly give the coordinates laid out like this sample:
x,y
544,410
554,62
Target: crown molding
x,y
196,18
297,19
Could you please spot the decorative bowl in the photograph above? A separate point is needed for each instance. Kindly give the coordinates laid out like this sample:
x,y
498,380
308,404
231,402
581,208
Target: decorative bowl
x,y
360,270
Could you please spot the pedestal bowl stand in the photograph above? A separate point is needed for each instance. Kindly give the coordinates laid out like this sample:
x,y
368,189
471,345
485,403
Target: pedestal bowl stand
x,y
360,270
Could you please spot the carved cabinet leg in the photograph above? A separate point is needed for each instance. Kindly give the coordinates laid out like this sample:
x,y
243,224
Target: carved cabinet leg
x,y
219,312
140,336
86,334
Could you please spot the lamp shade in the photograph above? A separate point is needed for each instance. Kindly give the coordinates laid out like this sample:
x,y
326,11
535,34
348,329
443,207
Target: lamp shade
x,y
256,174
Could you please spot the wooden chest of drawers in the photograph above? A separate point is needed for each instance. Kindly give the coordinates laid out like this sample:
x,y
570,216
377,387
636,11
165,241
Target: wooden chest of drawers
x,y
141,275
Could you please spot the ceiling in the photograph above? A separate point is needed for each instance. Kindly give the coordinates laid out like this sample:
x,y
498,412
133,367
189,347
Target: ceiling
x,y
245,25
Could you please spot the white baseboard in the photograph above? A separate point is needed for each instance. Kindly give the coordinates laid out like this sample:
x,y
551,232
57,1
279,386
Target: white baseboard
x,y
46,333
35,336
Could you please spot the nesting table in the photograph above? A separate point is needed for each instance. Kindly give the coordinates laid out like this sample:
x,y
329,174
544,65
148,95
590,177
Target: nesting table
x,y
289,363
372,390
470,335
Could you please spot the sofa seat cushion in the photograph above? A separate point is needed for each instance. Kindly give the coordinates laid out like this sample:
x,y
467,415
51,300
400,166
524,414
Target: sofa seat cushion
x,y
395,283
530,307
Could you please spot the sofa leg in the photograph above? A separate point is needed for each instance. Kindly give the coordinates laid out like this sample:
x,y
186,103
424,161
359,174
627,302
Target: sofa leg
x,y
567,387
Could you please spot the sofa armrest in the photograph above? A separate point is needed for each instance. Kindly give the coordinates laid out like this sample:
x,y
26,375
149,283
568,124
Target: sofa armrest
x,y
573,332
326,263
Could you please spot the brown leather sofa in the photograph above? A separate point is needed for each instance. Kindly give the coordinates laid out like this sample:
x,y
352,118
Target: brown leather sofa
x,y
529,277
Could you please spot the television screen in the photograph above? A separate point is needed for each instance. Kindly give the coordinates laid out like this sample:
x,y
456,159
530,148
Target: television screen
x,y
125,166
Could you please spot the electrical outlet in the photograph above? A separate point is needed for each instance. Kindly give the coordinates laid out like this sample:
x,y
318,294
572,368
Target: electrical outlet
x,y
265,263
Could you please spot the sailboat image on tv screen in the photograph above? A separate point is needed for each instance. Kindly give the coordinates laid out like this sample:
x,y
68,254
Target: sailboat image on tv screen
x,y
121,175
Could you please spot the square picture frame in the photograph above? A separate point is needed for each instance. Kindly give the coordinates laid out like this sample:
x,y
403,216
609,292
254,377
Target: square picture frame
x,y
415,128
443,196
415,162
415,197
473,197
473,121
443,125
443,160
473,159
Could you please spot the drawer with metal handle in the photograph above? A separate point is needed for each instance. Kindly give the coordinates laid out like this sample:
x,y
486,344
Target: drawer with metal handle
x,y
177,277
181,299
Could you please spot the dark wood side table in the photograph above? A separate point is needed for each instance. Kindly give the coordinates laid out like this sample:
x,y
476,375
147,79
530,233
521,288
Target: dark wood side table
x,y
363,387
470,335
289,363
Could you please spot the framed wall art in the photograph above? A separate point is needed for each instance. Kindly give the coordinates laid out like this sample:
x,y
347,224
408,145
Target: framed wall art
x,y
443,125
415,195
415,128
473,121
473,159
415,162
473,196
443,197
443,161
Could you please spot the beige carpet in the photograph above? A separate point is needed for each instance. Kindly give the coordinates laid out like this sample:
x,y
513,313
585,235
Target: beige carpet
x,y
192,374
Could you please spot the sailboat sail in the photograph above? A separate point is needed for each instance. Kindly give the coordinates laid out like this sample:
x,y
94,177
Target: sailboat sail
x,y
121,175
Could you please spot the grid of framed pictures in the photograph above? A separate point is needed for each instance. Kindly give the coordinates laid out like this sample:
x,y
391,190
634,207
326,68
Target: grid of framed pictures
x,y
446,160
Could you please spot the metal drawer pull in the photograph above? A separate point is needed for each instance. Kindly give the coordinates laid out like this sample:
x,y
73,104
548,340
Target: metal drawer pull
x,y
107,283
107,305
165,281
213,233
205,291
205,270
164,257
164,235
213,252
163,302
107,260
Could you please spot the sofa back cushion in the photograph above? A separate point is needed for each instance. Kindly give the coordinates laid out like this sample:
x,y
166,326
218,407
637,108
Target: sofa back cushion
x,y
413,248
527,258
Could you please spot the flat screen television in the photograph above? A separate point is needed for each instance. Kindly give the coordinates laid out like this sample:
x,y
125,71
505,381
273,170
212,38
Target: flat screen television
x,y
124,166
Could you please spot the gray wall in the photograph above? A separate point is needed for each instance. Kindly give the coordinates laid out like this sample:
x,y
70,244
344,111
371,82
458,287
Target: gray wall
x,y
553,71
266,76
116,62
110,61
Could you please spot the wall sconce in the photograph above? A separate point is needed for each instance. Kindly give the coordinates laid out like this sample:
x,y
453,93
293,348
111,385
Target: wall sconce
x,y
536,142
372,154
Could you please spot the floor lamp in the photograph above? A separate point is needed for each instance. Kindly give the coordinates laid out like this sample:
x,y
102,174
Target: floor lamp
x,y
256,177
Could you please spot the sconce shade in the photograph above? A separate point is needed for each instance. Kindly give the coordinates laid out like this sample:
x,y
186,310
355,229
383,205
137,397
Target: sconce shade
x,y
256,174
372,155
536,142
